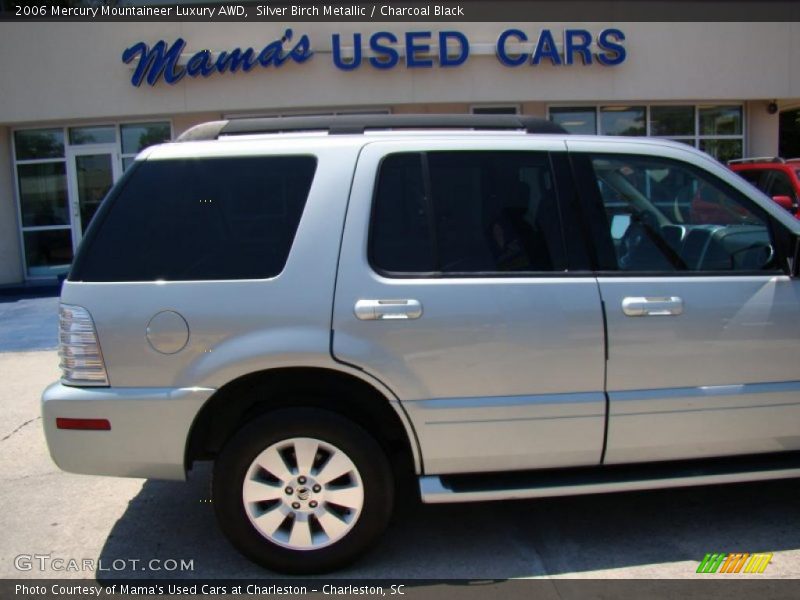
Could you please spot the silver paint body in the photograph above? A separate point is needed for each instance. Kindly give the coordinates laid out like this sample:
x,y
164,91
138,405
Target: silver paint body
x,y
486,374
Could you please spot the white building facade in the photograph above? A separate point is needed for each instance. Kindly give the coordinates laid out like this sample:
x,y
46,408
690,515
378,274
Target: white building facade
x,y
72,117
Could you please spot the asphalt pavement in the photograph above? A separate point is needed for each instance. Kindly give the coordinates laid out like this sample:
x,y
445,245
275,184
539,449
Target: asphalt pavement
x,y
28,320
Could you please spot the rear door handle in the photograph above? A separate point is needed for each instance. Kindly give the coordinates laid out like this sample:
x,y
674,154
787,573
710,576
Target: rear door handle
x,y
377,310
652,306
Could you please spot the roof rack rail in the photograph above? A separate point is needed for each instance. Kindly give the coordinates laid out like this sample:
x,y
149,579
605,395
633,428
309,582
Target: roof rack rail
x,y
356,124
756,159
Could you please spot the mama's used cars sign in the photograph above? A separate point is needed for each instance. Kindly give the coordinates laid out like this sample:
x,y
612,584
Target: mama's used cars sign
x,y
380,50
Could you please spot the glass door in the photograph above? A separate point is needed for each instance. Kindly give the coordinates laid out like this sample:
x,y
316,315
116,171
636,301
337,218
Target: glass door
x,y
93,169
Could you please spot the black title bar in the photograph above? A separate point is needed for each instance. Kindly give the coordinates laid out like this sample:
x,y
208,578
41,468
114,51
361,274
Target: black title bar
x,y
284,11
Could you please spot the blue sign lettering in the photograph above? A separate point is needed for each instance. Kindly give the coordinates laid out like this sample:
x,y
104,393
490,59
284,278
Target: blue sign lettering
x,y
413,48
513,49
546,48
156,61
577,42
385,57
502,54
161,60
445,59
355,62
614,51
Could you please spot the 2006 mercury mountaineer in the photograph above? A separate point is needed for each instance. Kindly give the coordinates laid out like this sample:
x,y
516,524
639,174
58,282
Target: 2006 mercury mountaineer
x,y
324,306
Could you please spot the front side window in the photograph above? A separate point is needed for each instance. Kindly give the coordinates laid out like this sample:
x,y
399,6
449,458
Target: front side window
x,y
667,216
198,219
464,213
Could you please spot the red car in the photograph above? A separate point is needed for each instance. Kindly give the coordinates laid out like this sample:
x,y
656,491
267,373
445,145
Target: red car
x,y
778,178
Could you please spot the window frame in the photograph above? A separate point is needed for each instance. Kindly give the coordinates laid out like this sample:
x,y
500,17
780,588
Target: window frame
x,y
567,214
595,222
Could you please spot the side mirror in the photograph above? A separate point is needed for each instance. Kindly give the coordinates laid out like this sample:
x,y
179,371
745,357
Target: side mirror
x,y
786,202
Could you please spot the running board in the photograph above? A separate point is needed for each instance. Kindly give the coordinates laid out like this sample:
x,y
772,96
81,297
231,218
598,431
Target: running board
x,y
603,479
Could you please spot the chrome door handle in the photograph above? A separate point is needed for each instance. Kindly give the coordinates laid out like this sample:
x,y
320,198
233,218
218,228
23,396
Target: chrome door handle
x,y
375,310
652,306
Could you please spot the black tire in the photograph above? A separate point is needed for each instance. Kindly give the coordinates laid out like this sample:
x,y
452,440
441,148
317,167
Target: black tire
x,y
231,467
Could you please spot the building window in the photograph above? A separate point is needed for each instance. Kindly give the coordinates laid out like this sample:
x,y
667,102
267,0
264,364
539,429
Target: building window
x,y
96,134
495,110
576,119
676,122
135,137
44,208
623,120
715,129
62,176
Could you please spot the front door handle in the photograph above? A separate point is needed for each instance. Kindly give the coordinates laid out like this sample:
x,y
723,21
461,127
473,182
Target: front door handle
x,y
652,306
375,310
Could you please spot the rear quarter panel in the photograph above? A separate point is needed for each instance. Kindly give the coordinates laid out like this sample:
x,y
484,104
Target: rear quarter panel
x,y
238,326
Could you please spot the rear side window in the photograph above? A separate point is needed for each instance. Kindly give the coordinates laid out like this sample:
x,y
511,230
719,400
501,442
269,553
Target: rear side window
x,y
466,212
758,177
199,219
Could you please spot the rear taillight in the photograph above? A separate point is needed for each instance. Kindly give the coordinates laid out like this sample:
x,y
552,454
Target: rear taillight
x,y
81,358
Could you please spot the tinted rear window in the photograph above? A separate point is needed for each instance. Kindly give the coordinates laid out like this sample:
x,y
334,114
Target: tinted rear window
x,y
198,219
466,212
754,176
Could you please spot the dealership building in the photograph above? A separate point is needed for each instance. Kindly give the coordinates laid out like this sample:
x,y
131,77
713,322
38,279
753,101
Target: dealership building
x,y
79,100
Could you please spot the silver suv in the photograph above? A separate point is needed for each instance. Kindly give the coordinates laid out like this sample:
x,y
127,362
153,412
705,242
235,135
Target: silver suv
x,y
325,307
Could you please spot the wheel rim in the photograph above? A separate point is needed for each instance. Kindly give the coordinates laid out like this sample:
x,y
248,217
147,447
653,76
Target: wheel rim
x,y
303,493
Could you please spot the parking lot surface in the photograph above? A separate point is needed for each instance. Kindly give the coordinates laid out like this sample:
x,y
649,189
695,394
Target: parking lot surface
x,y
630,535
28,321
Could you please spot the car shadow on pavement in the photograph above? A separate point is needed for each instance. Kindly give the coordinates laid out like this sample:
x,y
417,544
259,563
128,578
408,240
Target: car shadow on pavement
x,y
490,540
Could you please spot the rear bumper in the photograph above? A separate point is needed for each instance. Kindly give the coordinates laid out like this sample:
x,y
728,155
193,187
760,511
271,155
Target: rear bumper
x,y
149,429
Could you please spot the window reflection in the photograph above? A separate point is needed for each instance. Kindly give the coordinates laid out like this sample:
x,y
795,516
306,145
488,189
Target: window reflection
x,y
138,136
39,143
43,194
622,120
